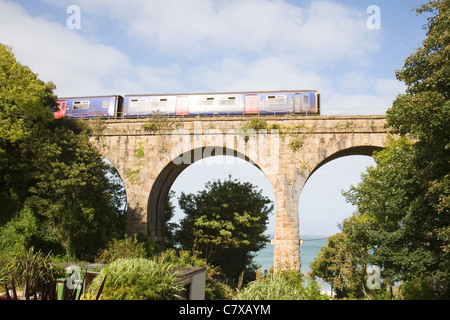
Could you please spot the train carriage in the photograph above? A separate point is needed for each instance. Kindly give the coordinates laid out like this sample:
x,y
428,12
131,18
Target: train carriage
x,y
230,103
288,102
90,107
201,104
148,105
216,104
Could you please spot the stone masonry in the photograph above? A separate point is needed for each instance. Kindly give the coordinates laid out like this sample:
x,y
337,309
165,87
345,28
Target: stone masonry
x,y
149,160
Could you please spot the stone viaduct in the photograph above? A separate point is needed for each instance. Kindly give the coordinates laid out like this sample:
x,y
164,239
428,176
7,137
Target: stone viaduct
x,y
149,154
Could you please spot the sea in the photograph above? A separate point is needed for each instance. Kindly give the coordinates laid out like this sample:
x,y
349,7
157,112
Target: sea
x,y
309,250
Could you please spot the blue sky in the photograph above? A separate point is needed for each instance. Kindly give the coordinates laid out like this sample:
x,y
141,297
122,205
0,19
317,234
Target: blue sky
x,y
168,46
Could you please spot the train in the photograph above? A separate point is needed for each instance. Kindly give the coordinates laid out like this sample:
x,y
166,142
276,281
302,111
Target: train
x,y
306,102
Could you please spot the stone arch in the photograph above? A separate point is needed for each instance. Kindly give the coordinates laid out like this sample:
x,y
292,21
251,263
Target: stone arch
x,y
118,172
365,150
161,186
361,150
288,218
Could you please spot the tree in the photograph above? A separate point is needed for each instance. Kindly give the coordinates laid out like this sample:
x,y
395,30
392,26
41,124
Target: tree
x,y
225,223
423,114
170,227
25,105
341,264
405,198
54,186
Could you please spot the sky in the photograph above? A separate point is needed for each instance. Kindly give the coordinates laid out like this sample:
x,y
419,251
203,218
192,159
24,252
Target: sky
x,y
346,50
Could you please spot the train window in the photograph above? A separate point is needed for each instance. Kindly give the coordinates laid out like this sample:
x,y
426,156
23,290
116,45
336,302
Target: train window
x,y
306,101
208,101
138,103
80,105
227,101
162,102
276,99
105,104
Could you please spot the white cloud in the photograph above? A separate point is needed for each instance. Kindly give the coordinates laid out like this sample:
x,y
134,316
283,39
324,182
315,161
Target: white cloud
x,y
76,65
321,31
200,45
376,101
265,73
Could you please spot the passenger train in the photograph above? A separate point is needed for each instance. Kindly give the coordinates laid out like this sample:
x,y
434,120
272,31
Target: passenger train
x,y
200,104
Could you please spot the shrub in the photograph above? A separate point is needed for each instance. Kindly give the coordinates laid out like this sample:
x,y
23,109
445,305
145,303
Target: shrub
x,y
215,289
136,279
24,231
31,271
255,124
284,285
296,143
122,249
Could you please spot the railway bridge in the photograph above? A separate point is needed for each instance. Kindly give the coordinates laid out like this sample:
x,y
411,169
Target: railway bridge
x,y
150,153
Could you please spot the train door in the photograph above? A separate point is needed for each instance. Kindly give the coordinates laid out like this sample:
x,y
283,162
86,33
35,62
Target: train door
x,y
303,103
182,106
298,103
62,109
251,104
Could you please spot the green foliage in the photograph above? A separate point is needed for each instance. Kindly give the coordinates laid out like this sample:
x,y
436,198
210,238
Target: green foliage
x,y
403,204
161,123
296,143
225,223
297,138
25,104
54,185
170,227
390,219
126,248
31,271
251,127
283,285
72,193
25,231
419,288
254,124
140,150
215,288
136,279
341,263
25,100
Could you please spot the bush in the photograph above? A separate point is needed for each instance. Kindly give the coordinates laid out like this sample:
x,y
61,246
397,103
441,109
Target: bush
x,y
31,271
255,124
215,289
136,279
23,232
126,248
283,285
423,288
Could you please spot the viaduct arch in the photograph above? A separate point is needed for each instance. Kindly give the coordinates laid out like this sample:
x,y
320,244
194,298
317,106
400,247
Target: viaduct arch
x,y
161,187
150,161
